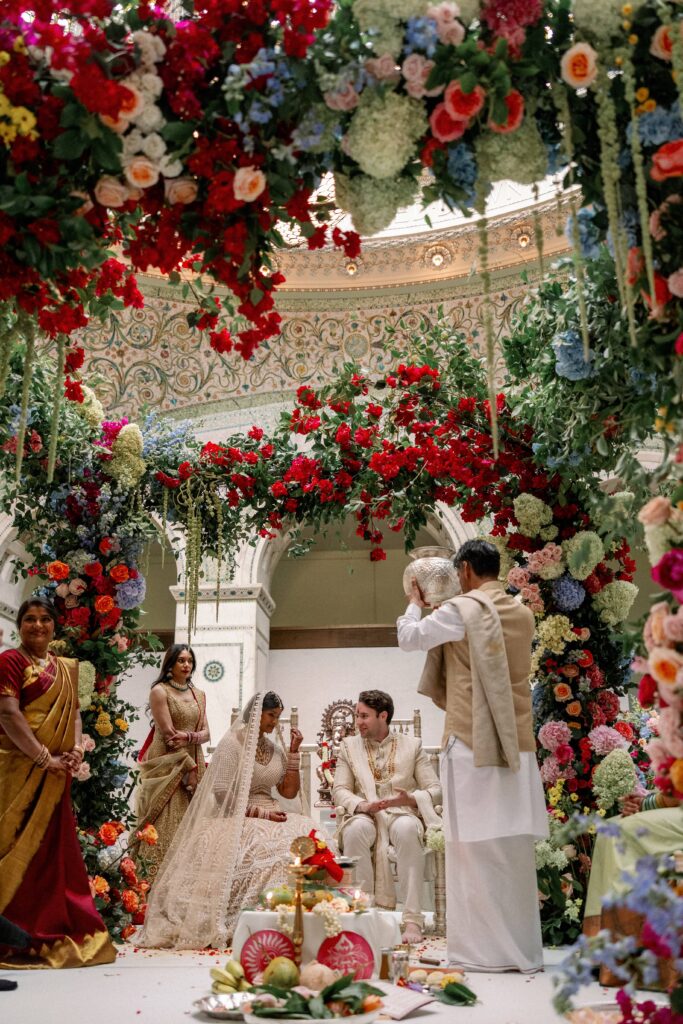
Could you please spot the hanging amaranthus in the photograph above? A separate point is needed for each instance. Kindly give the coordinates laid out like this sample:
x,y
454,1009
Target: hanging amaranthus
x,y
639,169
28,329
562,105
538,230
56,407
608,135
485,275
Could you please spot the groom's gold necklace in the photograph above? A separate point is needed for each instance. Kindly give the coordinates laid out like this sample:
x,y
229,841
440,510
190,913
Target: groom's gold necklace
x,y
378,774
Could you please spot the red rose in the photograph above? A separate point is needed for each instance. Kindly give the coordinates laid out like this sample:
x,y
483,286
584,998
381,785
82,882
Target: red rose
x,y
668,572
667,162
514,101
378,555
119,573
647,689
462,106
93,569
444,127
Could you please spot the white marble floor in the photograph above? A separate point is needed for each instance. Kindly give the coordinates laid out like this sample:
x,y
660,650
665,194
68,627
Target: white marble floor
x,y
157,987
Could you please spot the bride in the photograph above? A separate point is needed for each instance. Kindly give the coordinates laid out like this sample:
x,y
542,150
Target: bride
x,y
234,840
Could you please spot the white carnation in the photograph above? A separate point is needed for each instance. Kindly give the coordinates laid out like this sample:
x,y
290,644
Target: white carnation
x,y
150,118
154,146
151,47
133,142
151,84
170,167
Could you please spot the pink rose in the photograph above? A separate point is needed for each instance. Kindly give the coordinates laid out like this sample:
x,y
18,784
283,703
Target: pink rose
x,y
383,68
668,572
87,742
448,28
71,601
673,627
657,752
451,35
62,590
140,171
654,633
110,191
656,512
77,587
669,725
249,183
675,283
342,99
420,70
180,190
83,772
412,66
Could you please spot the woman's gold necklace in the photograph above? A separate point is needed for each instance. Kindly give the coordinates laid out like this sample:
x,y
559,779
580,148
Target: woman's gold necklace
x,y
34,659
263,750
180,689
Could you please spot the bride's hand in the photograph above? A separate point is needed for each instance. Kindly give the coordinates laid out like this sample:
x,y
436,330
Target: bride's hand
x,y
277,816
295,741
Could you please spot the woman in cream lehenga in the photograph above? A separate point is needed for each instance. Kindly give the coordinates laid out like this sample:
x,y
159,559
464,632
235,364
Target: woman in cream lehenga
x,y
235,840
171,759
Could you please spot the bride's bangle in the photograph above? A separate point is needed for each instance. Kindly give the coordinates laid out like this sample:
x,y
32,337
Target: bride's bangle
x,y
293,762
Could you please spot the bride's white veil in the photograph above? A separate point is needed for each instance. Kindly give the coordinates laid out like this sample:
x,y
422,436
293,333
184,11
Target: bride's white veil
x,y
190,895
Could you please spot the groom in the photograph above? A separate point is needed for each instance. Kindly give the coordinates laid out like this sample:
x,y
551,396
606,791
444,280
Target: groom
x,y
477,671
385,792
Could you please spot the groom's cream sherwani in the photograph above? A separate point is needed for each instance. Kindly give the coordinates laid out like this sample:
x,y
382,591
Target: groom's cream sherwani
x,y
369,771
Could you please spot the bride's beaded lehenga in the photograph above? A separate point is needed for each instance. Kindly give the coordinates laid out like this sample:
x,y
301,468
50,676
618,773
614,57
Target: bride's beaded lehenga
x,y
224,855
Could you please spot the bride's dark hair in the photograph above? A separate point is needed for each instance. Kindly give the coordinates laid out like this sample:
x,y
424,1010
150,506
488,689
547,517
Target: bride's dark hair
x,y
271,702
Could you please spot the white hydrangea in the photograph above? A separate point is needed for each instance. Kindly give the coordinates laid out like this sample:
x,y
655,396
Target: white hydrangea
x,y
615,600
91,407
469,10
548,856
582,553
601,20
129,439
520,156
383,133
532,514
86,683
126,465
373,203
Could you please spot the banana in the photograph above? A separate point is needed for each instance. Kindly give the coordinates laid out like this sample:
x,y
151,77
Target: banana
x,y
218,987
235,968
244,985
223,978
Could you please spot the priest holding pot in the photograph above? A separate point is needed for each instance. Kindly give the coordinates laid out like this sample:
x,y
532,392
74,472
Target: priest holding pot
x,y
477,671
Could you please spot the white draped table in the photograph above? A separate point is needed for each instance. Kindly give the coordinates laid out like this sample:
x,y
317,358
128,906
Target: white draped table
x,y
379,928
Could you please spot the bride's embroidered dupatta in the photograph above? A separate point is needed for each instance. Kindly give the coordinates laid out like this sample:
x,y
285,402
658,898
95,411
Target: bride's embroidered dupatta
x,y
43,883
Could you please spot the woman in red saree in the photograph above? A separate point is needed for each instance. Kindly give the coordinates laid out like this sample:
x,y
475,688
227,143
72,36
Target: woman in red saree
x,y
44,885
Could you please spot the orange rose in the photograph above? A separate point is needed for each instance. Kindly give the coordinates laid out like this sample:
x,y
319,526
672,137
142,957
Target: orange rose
x,y
119,573
143,887
132,103
58,570
129,930
562,691
99,885
574,725
148,835
139,915
104,604
664,665
108,833
579,66
574,708
569,671
667,162
130,901
676,773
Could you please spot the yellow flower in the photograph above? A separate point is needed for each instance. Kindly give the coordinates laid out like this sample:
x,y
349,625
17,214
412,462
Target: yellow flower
x,y
627,10
642,94
602,812
4,58
103,724
573,797
633,39
649,106
23,119
5,105
122,724
19,45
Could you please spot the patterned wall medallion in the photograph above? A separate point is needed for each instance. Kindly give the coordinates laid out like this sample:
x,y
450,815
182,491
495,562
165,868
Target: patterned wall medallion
x,y
213,671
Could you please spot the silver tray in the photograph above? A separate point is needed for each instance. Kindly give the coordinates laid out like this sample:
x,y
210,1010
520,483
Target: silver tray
x,y
223,1006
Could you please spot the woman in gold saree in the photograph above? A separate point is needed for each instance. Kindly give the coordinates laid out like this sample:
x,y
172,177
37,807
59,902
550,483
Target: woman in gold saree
x,y
171,759
44,885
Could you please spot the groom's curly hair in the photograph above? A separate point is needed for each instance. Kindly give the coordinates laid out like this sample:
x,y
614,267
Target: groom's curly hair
x,y
378,701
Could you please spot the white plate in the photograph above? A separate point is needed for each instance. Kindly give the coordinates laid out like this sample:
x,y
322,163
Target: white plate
x,y
223,1006
358,1018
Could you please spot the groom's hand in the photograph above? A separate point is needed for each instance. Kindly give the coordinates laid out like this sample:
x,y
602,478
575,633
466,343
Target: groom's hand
x,y
416,596
401,798
372,806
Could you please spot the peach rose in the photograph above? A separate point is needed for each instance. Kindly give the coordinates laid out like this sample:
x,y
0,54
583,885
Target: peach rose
x,y
87,742
579,66
83,772
382,68
62,590
675,283
673,627
574,708
110,191
133,103
141,172
180,190
667,162
115,124
87,204
249,183
99,886
664,665
71,601
562,691
654,634
342,99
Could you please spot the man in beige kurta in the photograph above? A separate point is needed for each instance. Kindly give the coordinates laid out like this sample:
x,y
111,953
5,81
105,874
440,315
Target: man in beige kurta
x,y
477,671
386,792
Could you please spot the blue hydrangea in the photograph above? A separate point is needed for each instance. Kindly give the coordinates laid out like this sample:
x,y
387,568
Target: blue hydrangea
x,y
589,235
421,35
663,124
131,593
462,168
570,361
557,159
568,593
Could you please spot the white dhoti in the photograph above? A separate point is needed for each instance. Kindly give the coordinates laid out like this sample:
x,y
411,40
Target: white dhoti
x,y
492,817
405,835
